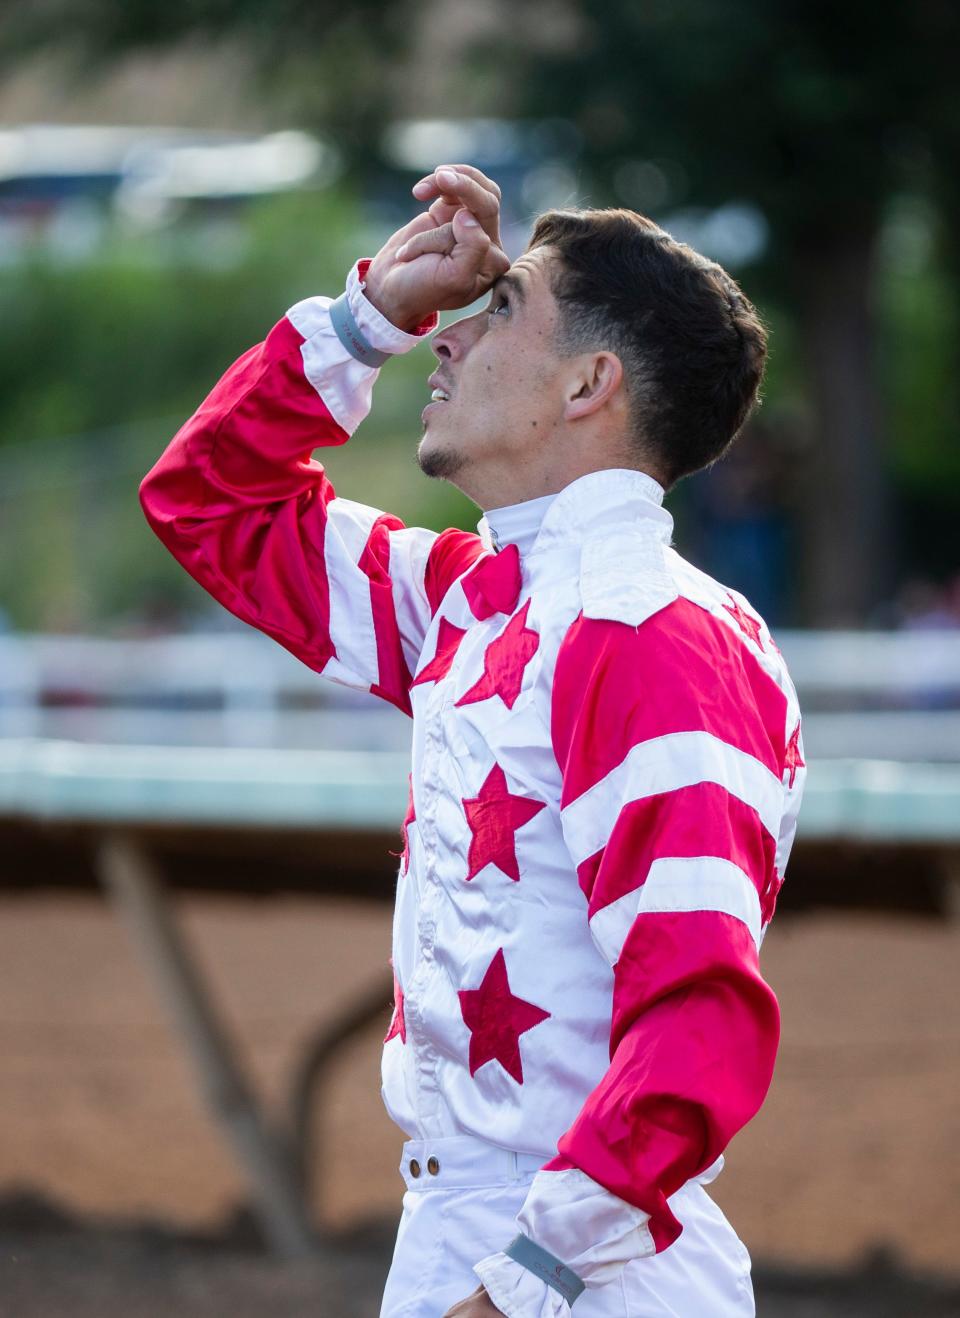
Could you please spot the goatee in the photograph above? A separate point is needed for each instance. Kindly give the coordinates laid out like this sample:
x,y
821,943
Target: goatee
x,y
441,463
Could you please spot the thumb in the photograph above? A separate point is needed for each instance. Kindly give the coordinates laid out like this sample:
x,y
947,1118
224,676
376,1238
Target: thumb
x,y
468,230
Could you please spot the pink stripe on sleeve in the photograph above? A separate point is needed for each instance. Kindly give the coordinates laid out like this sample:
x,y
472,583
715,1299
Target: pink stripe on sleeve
x,y
701,820
394,684
694,1027
680,671
238,501
695,1034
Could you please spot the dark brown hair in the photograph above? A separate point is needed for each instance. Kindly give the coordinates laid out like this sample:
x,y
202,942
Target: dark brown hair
x,y
692,346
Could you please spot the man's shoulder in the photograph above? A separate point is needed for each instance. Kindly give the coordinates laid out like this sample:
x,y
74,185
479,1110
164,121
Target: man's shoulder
x,y
630,575
625,576
641,598
699,587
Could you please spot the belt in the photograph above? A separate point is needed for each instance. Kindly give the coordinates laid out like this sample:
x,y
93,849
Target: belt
x,y
463,1161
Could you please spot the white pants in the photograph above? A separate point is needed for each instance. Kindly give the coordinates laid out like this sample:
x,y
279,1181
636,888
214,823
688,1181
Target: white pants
x,y
464,1211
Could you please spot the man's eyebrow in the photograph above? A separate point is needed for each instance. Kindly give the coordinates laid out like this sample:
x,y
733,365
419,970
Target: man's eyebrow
x,y
511,282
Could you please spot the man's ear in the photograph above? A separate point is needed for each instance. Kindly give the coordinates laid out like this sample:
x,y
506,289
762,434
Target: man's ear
x,y
592,383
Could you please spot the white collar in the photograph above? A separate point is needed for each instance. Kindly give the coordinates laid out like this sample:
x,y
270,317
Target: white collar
x,y
517,523
614,496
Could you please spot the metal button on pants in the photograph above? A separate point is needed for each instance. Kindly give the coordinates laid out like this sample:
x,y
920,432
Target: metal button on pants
x,y
461,1162
466,1210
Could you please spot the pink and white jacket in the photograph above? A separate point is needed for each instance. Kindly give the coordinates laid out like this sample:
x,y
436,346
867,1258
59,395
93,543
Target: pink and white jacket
x,y
606,774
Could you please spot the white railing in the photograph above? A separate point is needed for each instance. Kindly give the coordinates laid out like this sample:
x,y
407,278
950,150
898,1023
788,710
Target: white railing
x,y
906,666
319,791
213,689
888,695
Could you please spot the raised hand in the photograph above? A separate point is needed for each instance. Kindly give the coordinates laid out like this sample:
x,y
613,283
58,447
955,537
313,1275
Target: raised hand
x,y
446,257
478,1304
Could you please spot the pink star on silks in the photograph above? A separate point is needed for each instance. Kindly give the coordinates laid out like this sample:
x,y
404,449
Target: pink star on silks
x,y
504,661
496,1019
397,1024
408,819
448,643
791,756
747,624
493,585
768,898
494,816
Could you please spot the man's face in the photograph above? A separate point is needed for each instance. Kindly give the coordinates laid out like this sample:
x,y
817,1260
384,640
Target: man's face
x,y
502,374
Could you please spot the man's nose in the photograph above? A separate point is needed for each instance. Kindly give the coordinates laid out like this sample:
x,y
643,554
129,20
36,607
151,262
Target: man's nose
x,y
453,343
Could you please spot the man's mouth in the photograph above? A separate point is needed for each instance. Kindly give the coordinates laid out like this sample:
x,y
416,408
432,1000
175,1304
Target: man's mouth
x,y
441,392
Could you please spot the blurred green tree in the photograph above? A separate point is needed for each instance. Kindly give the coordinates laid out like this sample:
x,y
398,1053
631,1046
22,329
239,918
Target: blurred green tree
x,y
815,113
331,61
100,363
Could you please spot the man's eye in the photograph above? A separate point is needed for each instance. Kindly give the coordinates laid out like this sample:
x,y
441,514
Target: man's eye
x,y
499,304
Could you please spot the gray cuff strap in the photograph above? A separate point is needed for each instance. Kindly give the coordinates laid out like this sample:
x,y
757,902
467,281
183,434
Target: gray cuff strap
x,y
348,332
543,1265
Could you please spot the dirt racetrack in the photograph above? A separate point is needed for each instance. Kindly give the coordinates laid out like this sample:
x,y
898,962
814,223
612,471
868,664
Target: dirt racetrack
x,y
102,1130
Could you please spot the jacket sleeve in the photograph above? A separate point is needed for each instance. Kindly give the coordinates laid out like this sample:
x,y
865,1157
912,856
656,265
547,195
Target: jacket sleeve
x,y
240,503
678,807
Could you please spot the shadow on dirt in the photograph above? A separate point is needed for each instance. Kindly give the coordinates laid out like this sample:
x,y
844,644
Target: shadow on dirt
x,y
53,1265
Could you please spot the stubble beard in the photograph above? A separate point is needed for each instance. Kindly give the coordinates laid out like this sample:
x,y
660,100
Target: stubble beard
x,y
440,463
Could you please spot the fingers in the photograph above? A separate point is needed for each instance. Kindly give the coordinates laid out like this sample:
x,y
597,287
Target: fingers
x,y
476,259
470,262
440,239
464,230
469,232
496,263
470,170
419,223
462,186
443,210
454,185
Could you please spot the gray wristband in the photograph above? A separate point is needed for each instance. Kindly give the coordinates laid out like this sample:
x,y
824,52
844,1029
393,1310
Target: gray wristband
x,y
348,332
545,1266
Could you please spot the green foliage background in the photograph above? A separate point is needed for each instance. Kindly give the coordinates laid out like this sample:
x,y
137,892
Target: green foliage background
x,y
841,126
101,362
